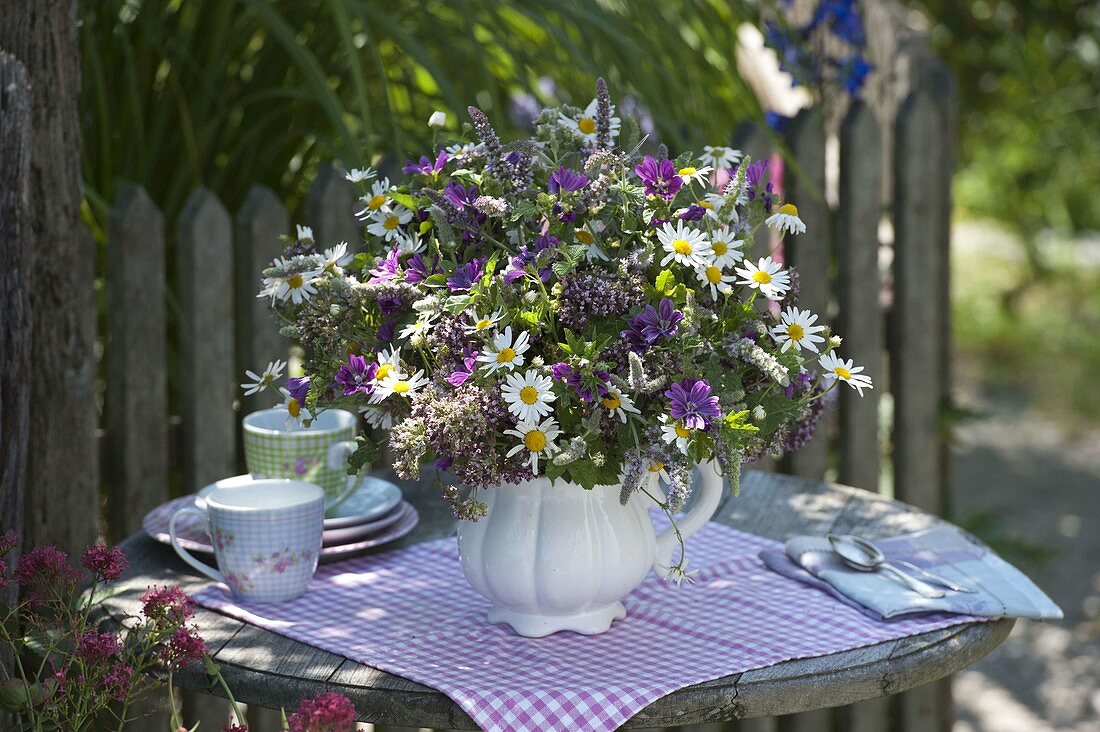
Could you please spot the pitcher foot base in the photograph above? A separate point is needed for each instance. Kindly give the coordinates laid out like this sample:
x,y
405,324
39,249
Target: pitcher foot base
x,y
533,625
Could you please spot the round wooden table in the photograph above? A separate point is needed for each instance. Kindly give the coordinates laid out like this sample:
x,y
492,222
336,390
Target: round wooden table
x,y
272,671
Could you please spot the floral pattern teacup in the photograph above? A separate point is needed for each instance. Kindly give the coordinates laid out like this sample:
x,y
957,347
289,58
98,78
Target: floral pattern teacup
x,y
266,537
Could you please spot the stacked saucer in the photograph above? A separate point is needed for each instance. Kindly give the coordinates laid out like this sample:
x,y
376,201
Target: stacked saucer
x,y
375,514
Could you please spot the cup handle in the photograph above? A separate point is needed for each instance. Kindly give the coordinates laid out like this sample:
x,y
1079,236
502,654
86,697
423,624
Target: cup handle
x,y
711,495
186,555
335,458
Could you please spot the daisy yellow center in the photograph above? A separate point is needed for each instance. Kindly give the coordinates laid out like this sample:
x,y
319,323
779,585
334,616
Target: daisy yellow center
x,y
584,237
789,209
506,355
714,275
268,378
612,402
719,248
656,467
483,324
688,171
587,125
295,281
795,332
376,202
293,407
681,246
704,204
402,387
682,432
534,440
383,371
761,277
842,372
391,222
528,395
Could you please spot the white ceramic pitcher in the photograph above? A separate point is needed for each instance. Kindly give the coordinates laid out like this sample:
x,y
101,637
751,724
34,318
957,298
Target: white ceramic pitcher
x,y
554,557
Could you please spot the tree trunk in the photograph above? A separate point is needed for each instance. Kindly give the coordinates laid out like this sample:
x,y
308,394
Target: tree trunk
x,y
62,487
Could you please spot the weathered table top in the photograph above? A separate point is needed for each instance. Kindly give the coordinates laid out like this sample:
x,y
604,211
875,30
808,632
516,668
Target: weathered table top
x,y
273,671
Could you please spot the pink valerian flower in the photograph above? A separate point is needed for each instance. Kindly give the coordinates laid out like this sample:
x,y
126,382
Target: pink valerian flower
x,y
327,712
183,648
230,727
169,604
8,541
117,681
95,647
45,573
691,402
660,178
106,563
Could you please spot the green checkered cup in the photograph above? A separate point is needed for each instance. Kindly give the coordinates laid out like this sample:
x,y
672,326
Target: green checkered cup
x,y
276,447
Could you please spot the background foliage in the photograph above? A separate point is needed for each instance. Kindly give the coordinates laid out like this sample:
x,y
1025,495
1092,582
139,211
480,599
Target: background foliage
x,y
233,93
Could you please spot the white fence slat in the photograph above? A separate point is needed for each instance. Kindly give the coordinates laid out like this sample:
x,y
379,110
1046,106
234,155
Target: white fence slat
x,y
136,470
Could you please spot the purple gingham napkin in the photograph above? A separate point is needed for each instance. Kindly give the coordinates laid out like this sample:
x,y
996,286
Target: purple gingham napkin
x,y
410,612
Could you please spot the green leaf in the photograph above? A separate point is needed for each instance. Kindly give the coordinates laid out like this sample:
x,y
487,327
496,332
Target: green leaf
x,y
664,281
736,422
405,200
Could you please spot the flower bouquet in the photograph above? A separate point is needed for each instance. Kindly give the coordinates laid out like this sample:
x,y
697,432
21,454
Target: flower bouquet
x,y
561,310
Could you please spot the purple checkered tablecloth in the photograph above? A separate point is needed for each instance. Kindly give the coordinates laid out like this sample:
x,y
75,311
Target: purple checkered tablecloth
x,y
410,612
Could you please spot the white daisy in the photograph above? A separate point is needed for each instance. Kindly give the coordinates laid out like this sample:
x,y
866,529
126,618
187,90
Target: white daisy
x,y
786,220
376,200
337,256
377,417
297,287
479,324
536,439
712,275
408,242
502,353
691,174
528,396
387,222
837,368
388,364
295,410
419,328
720,156
674,432
767,276
796,328
725,248
360,175
262,381
618,404
758,413
459,151
397,383
304,233
585,236
585,124
684,244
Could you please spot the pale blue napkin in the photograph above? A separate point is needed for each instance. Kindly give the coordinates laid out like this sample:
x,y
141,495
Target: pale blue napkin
x,y
1002,590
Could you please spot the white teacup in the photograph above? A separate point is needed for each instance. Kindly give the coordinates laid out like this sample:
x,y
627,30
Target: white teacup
x,y
266,537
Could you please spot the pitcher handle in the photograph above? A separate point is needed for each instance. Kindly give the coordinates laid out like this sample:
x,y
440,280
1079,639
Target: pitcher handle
x,y
186,555
337,454
710,495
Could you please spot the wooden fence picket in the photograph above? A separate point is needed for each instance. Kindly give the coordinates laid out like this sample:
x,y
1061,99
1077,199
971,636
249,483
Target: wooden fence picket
x,y
257,228
136,410
810,253
330,210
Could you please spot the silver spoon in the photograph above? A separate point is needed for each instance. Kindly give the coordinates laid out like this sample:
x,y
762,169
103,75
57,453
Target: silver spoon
x,y
865,557
938,579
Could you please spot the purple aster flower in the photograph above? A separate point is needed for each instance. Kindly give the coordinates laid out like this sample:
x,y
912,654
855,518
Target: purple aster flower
x,y
660,178
693,213
444,463
459,377
515,270
691,402
460,197
389,304
647,327
386,269
417,270
566,180
466,276
426,166
357,375
298,386
572,378
385,331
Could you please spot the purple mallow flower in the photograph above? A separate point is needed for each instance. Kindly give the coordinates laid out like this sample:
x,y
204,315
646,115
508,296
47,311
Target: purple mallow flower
x,y
754,176
386,269
566,180
693,213
572,378
691,402
298,386
426,166
469,362
460,197
389,304
466,276
660,178
652,324
417,270
357,375
528,255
